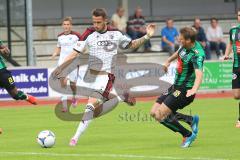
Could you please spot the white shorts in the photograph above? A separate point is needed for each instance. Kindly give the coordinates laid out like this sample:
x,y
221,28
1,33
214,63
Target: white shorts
x,y
73,76
100,83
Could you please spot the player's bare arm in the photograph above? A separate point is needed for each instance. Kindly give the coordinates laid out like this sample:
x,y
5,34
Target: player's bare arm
x,y
68,60
197,83
228,51
169,60
150,29
56,52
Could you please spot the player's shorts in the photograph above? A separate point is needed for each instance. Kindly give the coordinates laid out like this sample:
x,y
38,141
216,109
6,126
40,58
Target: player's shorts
x,y
236,78
73,76
175,98
6,79
102,84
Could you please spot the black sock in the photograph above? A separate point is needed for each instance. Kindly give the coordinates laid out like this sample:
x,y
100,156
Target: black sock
x,y
172,123
183,117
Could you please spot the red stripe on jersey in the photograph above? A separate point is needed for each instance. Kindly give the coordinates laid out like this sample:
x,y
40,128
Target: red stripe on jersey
x,y
87,32
179,65
72,32
60,34
77,34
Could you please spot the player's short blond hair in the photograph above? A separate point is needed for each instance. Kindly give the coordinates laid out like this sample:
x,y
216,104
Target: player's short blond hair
x,y
69,19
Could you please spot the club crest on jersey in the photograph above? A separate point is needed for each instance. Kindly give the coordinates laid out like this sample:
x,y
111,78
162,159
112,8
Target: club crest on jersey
x,y
176,93
234,76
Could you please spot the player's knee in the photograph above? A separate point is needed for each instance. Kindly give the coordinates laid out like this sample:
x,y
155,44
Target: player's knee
x,y
159,116
19,96
152,114
236,96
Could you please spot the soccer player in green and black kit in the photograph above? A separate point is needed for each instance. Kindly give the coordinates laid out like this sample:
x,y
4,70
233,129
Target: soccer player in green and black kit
x,y
234,45
189,72
7,82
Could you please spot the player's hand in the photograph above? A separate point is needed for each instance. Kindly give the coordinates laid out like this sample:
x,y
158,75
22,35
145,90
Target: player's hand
x,y
150,29
190,92
53,57
165,66
56,73
225,57
5,50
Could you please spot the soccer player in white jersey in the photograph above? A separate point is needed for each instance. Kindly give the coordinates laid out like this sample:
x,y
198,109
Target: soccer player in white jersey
x,y
97,38
66,41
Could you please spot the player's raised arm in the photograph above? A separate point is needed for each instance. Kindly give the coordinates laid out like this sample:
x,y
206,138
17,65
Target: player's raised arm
x,y
150,29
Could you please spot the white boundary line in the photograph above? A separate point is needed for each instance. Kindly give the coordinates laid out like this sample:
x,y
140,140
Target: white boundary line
x,y
128,156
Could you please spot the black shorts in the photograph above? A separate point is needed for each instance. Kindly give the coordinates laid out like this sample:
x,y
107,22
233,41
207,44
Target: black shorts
x,y
236,78
6,79
175,98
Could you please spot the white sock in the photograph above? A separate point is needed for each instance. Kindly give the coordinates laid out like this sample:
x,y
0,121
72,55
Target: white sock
x,y
64,101
84,123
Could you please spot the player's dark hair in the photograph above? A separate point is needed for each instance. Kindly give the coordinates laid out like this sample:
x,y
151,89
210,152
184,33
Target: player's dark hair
x,y
99,12
189,33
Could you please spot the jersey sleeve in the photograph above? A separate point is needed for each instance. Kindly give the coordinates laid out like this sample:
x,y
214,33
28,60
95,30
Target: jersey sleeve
x,y
198,62
230,35
80,46
58,43
124,40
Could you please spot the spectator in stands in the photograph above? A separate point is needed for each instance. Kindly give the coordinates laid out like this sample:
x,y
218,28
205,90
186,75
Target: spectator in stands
x,y
201,37
215,37
119,20
169,35
136,27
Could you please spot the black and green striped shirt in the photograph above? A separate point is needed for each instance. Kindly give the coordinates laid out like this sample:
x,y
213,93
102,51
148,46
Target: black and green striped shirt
x,y
188,61
234,35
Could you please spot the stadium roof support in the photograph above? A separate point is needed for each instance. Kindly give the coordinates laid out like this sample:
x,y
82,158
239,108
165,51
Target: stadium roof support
x,y
31,58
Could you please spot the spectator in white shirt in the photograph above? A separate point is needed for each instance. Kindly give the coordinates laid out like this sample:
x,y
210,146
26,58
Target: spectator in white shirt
x,y
215,37
119,20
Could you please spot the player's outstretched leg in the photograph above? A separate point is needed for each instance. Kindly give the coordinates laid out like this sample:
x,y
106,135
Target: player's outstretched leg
x,y
96,110
191,120
83,125
19,95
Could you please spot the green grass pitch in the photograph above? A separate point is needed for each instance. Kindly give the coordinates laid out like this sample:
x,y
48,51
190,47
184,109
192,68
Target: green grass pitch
x,y
126,133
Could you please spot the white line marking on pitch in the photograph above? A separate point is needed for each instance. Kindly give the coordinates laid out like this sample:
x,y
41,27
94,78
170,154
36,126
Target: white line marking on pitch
x,y
105,155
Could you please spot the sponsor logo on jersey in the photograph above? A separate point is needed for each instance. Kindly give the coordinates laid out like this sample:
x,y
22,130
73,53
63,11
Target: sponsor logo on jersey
x,y
233,36
104,43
